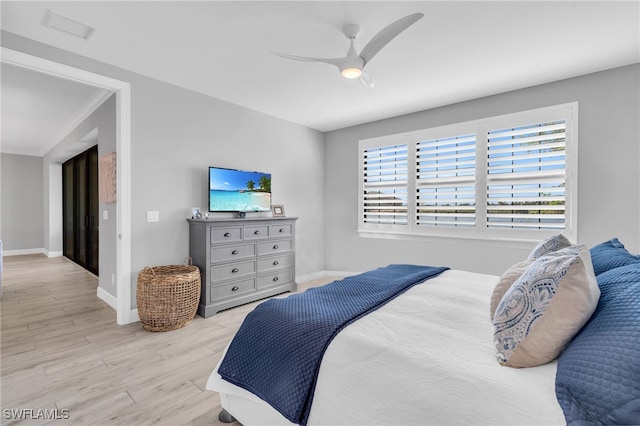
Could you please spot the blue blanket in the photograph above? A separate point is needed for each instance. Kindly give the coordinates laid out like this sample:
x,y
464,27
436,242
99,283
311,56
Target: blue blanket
x,y
276,354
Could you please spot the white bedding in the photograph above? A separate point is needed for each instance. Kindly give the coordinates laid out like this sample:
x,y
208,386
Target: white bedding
x,y
426,357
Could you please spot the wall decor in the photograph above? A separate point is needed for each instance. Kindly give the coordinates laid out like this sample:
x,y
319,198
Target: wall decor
x,y
107,178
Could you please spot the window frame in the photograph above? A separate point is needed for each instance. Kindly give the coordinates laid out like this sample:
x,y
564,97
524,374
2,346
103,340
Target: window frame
x,y
481,128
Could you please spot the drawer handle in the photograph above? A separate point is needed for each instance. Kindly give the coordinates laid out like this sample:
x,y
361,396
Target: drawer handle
x,y
256,232
227,234
235,288
235,252
234,270
275,247
275,262
275,278
281,230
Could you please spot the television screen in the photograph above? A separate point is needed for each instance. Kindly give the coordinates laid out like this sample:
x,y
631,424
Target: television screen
x,y
233,190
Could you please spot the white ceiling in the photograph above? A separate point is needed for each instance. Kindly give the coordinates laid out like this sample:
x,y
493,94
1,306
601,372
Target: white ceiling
x,y
458,51
38,110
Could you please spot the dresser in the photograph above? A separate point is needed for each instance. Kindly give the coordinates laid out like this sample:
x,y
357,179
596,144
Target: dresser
x,y
242,260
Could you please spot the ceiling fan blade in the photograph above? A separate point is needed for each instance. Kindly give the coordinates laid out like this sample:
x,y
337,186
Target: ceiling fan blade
x,y
367,80
333,61
387,34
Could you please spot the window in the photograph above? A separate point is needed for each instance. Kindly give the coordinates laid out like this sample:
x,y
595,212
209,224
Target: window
x,y
446,181
506,177
526,176
385,185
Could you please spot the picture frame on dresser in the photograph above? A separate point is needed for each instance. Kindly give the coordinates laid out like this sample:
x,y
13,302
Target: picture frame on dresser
x,y
277,210
242,260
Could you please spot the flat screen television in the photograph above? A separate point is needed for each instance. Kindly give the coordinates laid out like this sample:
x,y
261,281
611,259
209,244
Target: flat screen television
x,y
232,190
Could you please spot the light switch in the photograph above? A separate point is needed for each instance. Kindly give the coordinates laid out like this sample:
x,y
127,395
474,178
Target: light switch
x,y
153,216
105,214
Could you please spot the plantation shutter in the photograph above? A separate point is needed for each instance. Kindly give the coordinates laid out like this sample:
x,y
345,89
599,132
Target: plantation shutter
x,y
385,185
445,182
508,177
526,176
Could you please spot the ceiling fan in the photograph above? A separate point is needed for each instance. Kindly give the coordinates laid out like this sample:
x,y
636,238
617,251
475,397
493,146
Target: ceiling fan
x,y
352,65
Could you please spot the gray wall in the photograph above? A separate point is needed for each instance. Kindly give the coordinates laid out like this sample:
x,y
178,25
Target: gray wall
x,y
608,175
176,134
22,202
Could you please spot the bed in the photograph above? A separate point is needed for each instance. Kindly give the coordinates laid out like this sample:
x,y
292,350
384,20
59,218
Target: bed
x,y
428,356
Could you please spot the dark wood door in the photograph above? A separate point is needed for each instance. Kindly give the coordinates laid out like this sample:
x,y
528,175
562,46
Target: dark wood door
x,y
81,209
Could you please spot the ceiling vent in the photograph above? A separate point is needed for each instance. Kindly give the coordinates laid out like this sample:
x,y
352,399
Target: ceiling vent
x,y
68,25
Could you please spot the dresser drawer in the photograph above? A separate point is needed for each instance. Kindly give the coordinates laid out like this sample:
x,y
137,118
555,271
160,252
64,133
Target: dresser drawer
x,y
232,270
256,232
283,230
233,289
226,235
275,278
274,246
240,251
275,262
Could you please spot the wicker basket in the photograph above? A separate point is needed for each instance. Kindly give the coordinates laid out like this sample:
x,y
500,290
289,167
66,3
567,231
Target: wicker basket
x,y
167,296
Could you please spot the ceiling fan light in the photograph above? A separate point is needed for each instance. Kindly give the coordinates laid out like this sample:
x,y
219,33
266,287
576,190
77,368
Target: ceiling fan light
x,y
351,72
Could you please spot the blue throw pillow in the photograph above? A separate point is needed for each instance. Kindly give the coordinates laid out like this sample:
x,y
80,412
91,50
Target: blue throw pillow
x,y
598,376
610,255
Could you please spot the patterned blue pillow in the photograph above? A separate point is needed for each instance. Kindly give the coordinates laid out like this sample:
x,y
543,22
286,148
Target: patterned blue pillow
x,y
610,255
598,376
542,311
548,245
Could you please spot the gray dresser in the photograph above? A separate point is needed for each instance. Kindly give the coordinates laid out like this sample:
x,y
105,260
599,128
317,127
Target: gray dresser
x,y
242,260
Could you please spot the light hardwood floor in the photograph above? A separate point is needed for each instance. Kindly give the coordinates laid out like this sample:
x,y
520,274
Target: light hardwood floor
x,y
61,349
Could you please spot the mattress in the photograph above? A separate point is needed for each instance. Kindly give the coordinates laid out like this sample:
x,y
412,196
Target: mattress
x,y
426,357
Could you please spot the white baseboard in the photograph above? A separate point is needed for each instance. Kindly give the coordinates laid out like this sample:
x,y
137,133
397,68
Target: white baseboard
x,y
32,251
108,298
23,252
134,316
340,274
321,274
111,300
309,277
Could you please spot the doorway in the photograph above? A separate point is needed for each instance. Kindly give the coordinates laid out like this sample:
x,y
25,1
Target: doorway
x,y
121,302
80,230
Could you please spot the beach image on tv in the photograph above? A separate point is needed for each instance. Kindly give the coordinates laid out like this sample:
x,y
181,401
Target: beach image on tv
x,y
237,190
